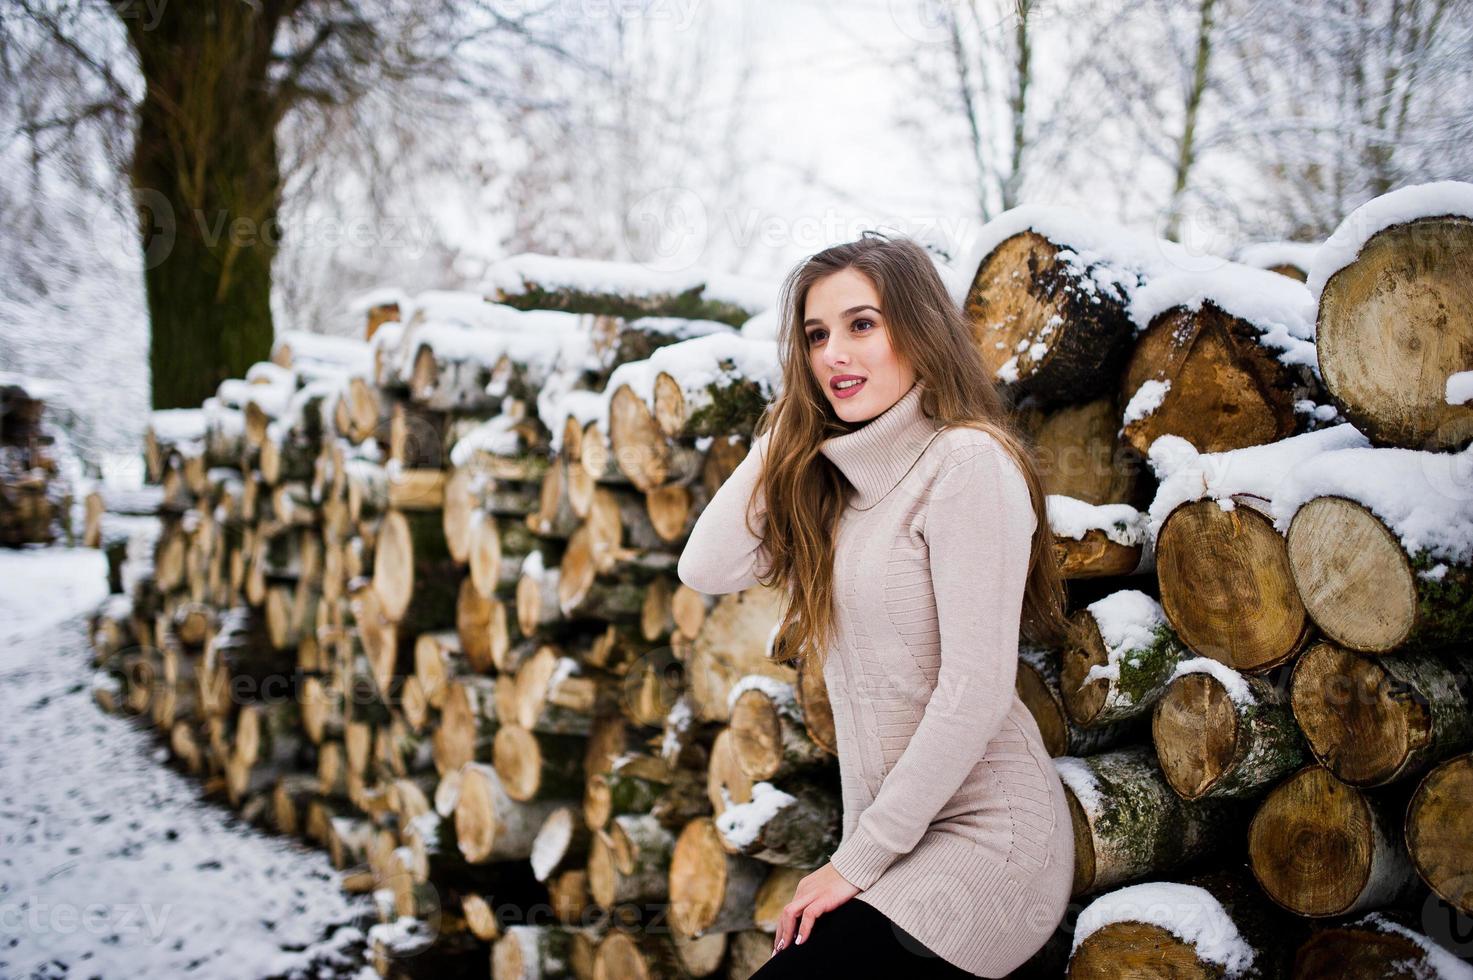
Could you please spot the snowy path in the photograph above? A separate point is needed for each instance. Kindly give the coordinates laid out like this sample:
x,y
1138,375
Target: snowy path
x,y
110,865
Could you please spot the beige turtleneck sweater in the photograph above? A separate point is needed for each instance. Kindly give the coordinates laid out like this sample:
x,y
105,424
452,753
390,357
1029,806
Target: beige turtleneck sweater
x,y
955,822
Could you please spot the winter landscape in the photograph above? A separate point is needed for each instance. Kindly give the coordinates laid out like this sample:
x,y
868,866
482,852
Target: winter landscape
x,y
363,371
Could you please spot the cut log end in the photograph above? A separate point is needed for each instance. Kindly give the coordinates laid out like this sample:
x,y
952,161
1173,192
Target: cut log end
x,y
1393,325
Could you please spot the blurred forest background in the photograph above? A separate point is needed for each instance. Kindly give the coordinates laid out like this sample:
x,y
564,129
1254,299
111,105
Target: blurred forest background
x,y
301,152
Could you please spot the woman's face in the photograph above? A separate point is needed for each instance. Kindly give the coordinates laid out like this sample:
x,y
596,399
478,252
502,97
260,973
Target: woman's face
x,y
848,338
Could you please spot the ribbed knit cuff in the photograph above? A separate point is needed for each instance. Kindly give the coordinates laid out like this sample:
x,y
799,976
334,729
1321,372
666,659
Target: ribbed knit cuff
x,y
861,860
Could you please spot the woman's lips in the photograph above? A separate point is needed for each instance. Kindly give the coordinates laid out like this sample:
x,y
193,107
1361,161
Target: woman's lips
x,y
847,392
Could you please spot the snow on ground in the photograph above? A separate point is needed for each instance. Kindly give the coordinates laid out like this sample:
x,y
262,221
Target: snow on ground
x,y
110,864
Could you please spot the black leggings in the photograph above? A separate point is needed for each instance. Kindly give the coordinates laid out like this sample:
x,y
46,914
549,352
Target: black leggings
x,y
856,940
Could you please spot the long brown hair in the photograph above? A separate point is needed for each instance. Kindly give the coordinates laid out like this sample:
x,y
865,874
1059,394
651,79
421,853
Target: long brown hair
x,y
805,492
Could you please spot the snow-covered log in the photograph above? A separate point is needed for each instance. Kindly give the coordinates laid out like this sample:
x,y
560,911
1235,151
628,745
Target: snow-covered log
x,y
1048,299
546,282
796,830
1219,733
1380,544
1211,926
1291,259
1395,290
1129,823
1383,944
1225,359
1040,686
1124,659
1096,540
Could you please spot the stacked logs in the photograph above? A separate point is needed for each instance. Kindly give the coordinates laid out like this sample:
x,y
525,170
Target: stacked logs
x,y
35,495
1272,732
414,599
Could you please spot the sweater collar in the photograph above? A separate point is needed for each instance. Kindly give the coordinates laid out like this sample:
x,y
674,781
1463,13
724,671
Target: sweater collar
x,y
874,457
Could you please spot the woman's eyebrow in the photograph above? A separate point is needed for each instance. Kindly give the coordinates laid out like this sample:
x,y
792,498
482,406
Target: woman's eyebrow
x,y
811,321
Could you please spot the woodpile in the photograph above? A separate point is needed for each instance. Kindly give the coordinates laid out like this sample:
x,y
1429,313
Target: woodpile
x,y
35,494
1266,730
414,600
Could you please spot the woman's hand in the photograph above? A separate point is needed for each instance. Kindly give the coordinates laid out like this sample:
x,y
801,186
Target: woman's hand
x,y
817,893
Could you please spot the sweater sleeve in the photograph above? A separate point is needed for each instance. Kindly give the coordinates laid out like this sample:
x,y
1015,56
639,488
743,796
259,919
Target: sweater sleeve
x,y
722,555
979,523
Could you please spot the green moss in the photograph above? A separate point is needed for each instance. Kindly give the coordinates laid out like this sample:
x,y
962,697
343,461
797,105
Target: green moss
x,y
1277,748
734,407
1144,672
1444,605
1134,816
689,304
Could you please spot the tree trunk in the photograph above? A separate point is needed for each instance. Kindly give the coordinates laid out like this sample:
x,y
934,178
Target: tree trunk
x,y
207,184
1129,823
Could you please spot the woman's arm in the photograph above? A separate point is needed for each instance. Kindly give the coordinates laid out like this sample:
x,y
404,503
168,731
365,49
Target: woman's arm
x,y
979,523
722,555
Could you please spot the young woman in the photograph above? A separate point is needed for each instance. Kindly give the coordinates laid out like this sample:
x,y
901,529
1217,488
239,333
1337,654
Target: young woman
x,y
889,498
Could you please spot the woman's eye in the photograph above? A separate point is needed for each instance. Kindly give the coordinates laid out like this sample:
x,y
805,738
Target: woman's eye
x,y
815,336
863,320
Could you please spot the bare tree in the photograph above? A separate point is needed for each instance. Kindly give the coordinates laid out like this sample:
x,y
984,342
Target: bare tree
x,y
208,88
999,75
1162,84
259,137
1347,99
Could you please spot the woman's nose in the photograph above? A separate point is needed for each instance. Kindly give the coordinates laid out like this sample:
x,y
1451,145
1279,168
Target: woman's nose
x,y
834,354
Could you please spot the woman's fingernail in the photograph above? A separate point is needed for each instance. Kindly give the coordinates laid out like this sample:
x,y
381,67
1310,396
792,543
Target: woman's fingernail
x,y
800,939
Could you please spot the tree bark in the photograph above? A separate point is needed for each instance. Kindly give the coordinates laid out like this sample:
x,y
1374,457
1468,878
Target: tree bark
x,y
207,185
